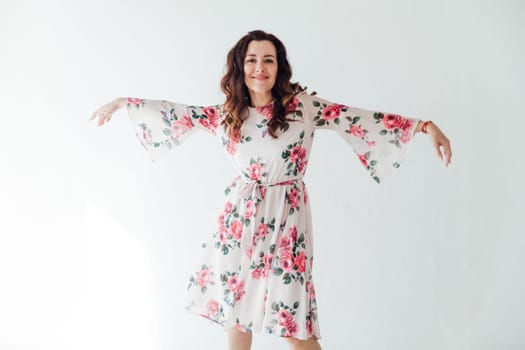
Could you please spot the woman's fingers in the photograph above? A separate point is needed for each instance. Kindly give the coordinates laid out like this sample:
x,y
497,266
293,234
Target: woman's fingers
x,y
448,153
104,113
438,151
440,141
442,146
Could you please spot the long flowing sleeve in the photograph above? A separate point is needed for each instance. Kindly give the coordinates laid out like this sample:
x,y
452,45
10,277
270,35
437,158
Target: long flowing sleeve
x,y
160,125
380,140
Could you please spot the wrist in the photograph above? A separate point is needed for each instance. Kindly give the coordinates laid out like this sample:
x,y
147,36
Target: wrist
x,y
426,125
419,126
122,101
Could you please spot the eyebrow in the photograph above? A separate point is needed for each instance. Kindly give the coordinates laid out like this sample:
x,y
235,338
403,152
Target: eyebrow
x,y
251,54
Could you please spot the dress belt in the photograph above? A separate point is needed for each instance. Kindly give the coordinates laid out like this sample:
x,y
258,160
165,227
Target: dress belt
x,y
255,191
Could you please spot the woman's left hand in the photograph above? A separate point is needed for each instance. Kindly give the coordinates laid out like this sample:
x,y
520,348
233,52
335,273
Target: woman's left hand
x,y
440,142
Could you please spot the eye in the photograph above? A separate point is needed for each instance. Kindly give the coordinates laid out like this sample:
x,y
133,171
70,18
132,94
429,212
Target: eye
x,y
268,60
250,60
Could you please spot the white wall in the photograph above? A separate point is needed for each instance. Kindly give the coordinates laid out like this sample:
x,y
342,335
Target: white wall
x,y
96,242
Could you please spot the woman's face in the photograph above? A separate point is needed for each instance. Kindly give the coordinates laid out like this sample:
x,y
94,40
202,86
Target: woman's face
x,y
260,67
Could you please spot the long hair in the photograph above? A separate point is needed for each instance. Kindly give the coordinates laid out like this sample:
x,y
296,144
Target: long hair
x,y
237,95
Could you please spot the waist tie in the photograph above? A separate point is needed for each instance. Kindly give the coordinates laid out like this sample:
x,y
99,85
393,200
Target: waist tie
x,y
253,193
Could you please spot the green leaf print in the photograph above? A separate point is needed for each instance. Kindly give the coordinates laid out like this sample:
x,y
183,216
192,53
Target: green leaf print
x,y
275,307
378,116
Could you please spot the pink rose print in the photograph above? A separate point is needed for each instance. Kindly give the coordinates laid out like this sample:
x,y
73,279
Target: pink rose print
x,y
392,121
179,127
213,308
263,230
203,277
310,290
231,148
291,330
363,160
300,166
263,191
407,124
206,123
255,171
233,283
237,286
257,273
357,131
405,136
145,136
249,209
213,117
268,259
309,327
228,207
186,121
292,105
285,319
371,143
293,234
134,101
332,111
286,243
236,138
220,220
249,252
300,261
294,197
211,112
298,153
236,230
286,260
267,111
239,292
305,194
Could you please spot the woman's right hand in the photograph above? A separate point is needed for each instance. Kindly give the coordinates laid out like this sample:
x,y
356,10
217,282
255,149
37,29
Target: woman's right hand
x,y
106,111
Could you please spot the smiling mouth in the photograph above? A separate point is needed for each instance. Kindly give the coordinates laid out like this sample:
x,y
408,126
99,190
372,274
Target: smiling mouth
x,y
260,77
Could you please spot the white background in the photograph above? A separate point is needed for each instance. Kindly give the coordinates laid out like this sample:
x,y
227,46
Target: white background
x,y
97,241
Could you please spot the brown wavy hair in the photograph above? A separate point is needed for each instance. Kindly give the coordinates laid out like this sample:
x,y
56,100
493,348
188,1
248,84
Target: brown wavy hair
x,y
236,91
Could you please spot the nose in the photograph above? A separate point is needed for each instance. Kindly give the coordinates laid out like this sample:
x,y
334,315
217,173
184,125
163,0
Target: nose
x,y
259,67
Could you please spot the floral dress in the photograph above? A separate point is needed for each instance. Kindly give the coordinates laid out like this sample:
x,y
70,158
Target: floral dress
x,y
256,269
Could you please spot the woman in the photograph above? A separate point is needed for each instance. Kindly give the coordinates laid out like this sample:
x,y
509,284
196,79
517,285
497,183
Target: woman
x,y
255,273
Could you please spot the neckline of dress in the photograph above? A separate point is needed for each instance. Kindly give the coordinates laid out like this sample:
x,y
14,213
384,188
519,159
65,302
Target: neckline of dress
x,y
262,107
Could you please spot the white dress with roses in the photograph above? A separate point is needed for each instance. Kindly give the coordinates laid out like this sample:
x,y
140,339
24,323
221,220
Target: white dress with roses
x,y
255,272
